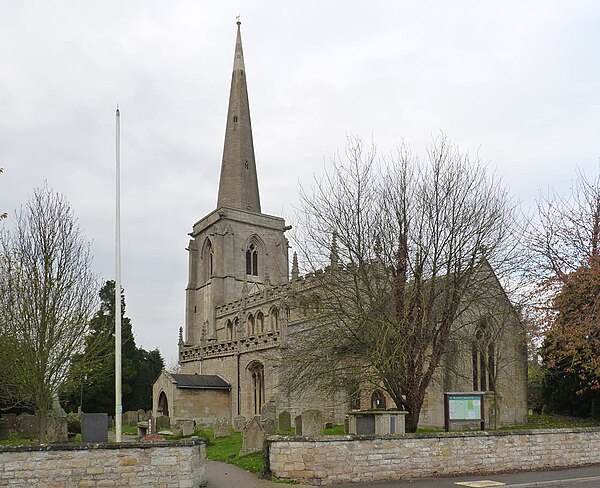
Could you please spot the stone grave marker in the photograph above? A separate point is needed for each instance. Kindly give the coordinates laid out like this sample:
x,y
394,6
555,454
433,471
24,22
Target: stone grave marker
x,y
27,425
285,421
221,427
162,422
4,432
94,427
312,423
131,416
253,436
142,415
238,423
298,424
268,412
187,427
12,422
57,430
269,426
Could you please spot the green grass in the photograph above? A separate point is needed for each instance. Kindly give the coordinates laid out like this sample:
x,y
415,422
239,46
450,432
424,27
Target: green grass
x,y
537,421
15,440
335,430
226,449
127,429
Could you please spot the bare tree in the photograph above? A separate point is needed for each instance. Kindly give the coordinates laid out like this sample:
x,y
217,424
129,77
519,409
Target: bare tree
x,y
4,214
413,250
47,295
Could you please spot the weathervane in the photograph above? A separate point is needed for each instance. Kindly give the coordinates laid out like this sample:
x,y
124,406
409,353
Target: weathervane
x,y
238,19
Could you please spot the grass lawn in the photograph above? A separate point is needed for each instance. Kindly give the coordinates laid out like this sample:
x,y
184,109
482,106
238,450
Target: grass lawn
x,y
226,449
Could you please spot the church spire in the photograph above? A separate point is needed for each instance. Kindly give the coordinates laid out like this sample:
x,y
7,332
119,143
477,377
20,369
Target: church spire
x,y
238,185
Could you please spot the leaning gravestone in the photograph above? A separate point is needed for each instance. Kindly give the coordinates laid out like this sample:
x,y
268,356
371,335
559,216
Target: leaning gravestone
x,y
298,424
4,433
57,430
94,427
268,412
27,425
285,421
162,422
253,436
269,426
221,427
238,423
312,423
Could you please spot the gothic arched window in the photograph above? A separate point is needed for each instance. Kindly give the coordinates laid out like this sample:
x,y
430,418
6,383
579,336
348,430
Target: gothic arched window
x,y
257,375
250,322
378,400
274,319
207,258
252,260
229,330
260,323
483,352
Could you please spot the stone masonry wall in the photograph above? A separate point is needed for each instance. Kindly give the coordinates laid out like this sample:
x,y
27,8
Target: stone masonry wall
x,y
342,459
165,465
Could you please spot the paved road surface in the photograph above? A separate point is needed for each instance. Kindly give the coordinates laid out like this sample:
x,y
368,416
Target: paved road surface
x,y
222,475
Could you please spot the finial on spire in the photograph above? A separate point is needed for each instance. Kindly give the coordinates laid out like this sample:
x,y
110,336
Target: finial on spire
x,y
180,336
237,20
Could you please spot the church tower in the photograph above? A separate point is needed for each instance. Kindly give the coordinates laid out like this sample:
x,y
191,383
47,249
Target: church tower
x,y
235,250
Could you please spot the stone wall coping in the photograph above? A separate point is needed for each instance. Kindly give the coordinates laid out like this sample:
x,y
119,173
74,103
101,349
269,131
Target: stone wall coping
x,y
79,446
430,435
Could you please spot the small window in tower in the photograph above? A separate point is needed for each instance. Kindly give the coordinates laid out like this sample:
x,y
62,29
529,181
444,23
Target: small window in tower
x,y
252,260
235,118
246,163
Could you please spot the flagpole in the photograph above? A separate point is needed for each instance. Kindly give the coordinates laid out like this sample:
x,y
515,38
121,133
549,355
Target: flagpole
x,y
118,404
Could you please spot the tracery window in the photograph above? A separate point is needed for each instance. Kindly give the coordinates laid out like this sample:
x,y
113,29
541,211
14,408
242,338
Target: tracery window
x,y
252,260
483,354
257,374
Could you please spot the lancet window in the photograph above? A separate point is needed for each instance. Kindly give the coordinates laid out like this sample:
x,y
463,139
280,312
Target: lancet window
x,y
483,354
252,260
257,375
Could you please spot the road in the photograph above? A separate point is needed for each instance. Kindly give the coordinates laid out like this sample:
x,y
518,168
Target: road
x,y
586,477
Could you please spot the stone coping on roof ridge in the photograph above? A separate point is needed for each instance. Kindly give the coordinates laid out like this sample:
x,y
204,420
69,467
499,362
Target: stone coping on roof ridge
x,y
80,446
430,435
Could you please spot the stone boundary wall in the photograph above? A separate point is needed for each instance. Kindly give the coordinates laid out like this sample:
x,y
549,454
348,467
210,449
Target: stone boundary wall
x,y
343,459
165,464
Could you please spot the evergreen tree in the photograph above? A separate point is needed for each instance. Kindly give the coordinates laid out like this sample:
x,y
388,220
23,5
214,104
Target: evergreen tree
x,y
94,371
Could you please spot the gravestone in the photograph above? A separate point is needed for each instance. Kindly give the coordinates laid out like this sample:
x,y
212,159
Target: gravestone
x,y
162,422
269,426
94,427
253,436
346,424
56,430
187,427
312,423
130,417
220,427
12,422
27,425
142,415
238,423
268,412
285,421
4,432
298,424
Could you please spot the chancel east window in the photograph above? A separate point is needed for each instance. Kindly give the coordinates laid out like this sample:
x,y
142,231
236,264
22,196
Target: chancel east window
x,y
252,260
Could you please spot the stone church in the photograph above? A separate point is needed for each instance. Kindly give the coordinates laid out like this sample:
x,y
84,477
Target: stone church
x,y
239,318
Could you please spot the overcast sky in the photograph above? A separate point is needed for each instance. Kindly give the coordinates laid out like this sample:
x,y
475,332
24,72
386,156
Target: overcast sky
x,y
516,82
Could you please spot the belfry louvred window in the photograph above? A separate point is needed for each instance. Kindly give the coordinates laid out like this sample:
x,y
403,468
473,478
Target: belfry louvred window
x,y
252,260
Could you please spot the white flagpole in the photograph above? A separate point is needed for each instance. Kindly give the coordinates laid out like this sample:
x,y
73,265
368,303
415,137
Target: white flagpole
x,y
118,404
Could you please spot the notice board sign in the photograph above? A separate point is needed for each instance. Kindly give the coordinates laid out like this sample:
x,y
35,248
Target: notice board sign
x,y
463,407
